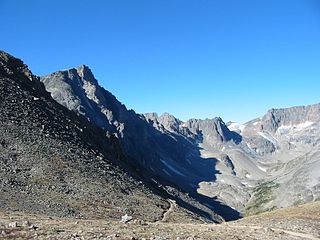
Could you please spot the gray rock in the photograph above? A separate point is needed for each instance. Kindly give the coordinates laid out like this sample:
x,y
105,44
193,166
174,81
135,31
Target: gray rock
x,y
126,218
12,225
290,116
25,224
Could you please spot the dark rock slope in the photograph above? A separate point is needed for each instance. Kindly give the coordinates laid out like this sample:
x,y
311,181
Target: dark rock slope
x,y
55,162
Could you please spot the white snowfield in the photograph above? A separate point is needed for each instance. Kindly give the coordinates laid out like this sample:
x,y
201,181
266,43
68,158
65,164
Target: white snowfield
x,y
294,127
236,127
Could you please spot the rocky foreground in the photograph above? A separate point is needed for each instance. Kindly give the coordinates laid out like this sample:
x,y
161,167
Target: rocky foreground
x,y
301,222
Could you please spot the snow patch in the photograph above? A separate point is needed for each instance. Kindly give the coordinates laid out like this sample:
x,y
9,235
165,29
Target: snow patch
x,y
248,175
236,127
262,169
205,154
268,137
294,127
246,184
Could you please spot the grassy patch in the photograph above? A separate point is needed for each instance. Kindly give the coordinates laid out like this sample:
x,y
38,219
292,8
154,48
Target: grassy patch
x,y
298,202
262,194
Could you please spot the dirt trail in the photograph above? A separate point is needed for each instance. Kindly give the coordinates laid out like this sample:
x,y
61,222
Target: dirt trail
x,y
166,215
297,234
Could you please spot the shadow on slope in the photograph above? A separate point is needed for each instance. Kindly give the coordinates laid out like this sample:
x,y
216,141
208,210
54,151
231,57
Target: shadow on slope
x,y
181,166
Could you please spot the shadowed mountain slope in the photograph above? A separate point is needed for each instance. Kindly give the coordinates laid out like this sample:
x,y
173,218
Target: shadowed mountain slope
x,y
53,161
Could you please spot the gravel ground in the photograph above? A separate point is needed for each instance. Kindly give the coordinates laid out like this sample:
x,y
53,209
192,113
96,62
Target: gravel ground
x,y
301,222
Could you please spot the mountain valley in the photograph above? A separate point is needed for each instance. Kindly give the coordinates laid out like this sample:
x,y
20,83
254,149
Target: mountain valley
x,y
74,158
266,163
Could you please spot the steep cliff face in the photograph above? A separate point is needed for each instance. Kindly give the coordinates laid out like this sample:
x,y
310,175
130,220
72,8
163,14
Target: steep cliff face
x,y
276,118
213,131
78,90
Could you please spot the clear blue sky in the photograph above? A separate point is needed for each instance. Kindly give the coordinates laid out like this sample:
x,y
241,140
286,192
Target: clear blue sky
x,y
201,58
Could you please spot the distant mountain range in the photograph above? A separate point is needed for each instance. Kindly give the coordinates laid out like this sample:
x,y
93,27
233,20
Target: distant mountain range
x,y
81,136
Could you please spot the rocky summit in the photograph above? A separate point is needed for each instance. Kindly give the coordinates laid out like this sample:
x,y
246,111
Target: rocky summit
x,y
70,152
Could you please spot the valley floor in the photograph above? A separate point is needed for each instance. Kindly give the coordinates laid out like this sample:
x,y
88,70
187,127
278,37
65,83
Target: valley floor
x,y
301,222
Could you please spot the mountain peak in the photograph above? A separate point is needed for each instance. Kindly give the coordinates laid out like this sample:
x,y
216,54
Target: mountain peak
x,y
83,68
274,118
11,66
85,73
168,116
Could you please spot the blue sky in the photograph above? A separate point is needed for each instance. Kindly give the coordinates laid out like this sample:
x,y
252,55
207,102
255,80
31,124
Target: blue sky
x,y
194,59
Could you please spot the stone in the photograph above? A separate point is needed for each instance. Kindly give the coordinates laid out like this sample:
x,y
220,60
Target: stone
x,y
126,218
25,223
13,225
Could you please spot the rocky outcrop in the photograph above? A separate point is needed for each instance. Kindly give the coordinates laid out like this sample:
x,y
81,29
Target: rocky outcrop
x,y
228,162
290,116
78,90
213,130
